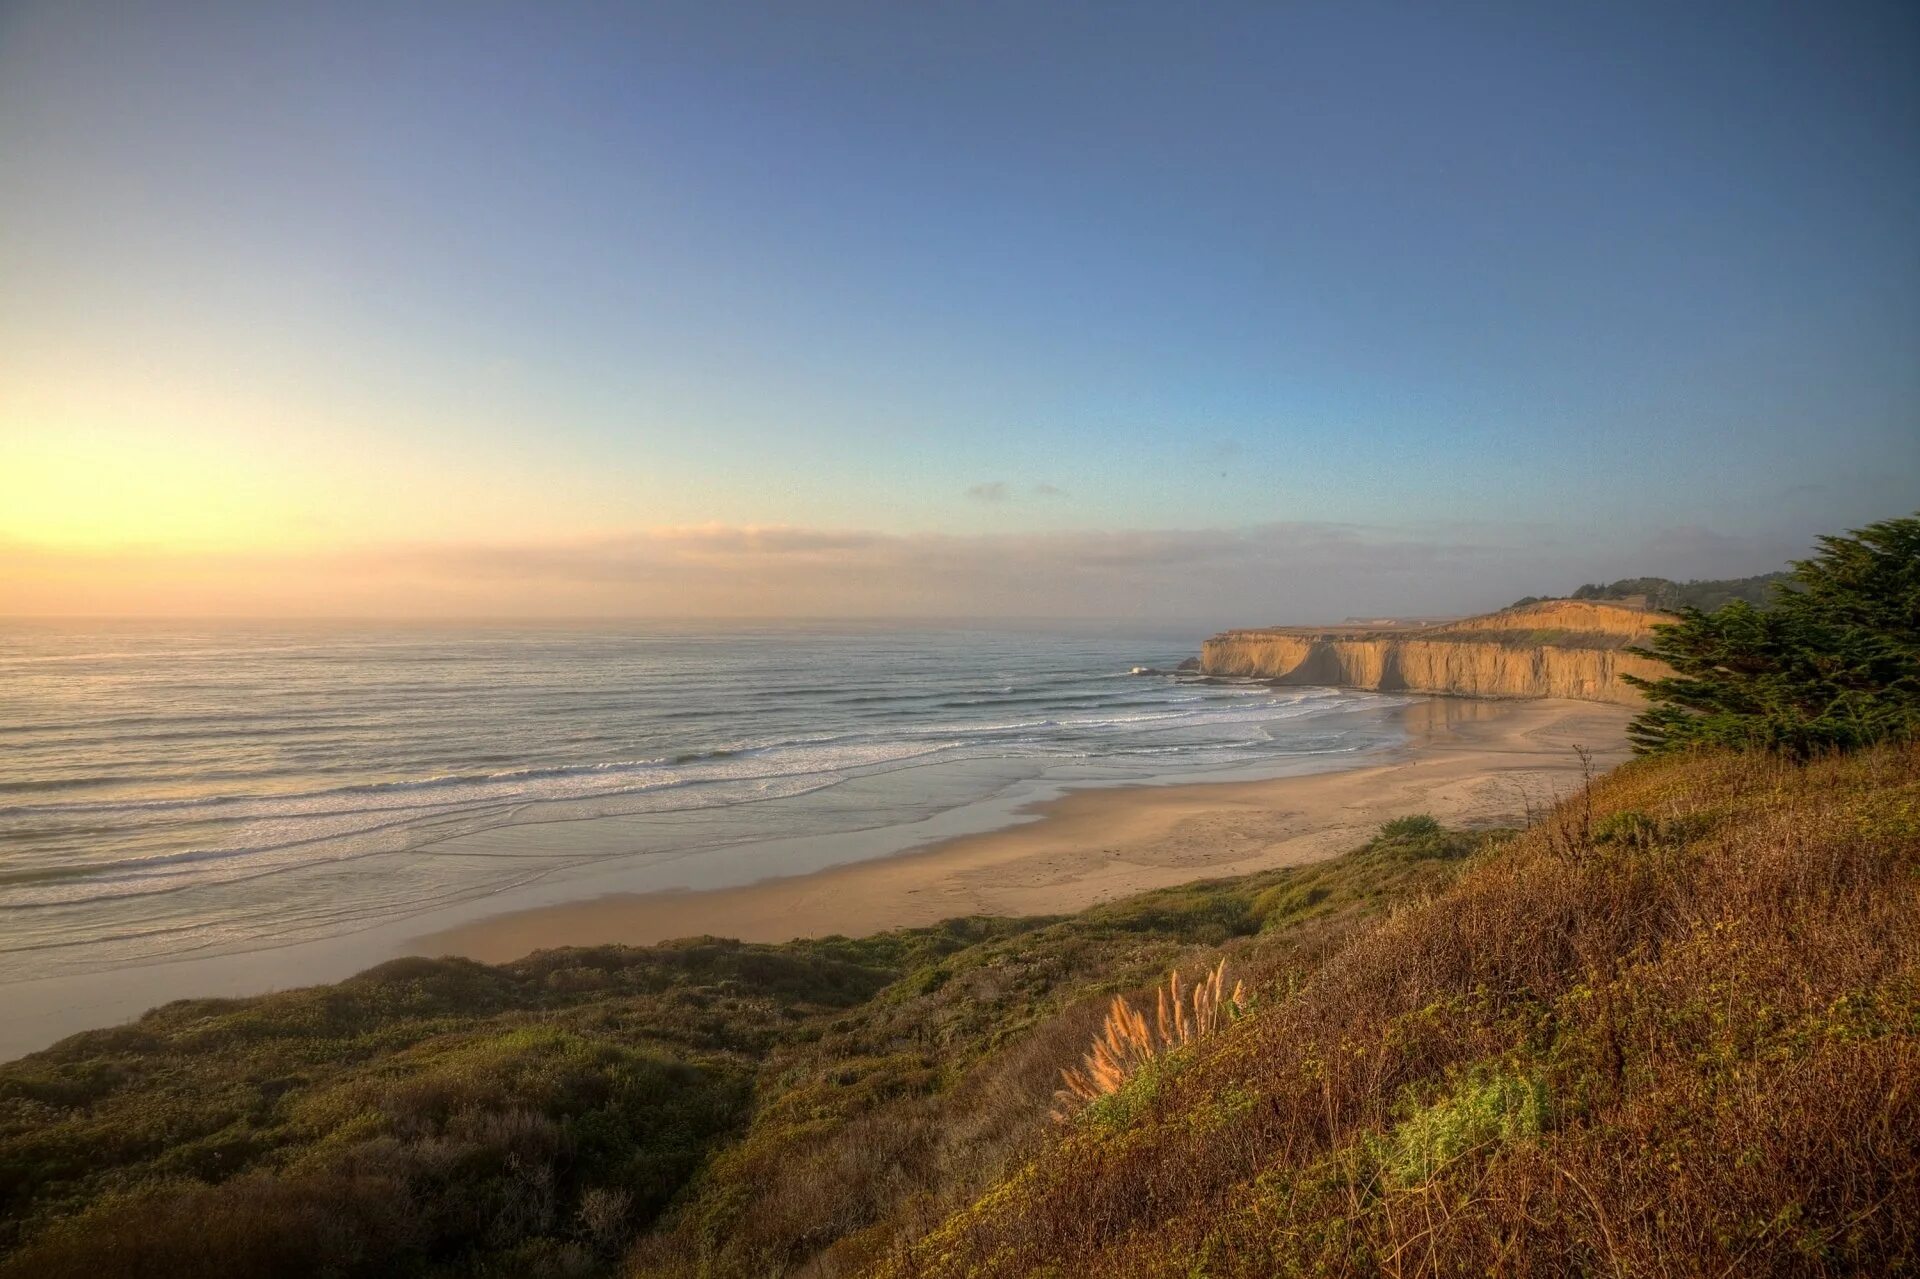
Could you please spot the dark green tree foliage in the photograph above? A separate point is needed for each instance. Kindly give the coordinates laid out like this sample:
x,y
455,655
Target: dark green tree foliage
x,y
1670,596
1833,664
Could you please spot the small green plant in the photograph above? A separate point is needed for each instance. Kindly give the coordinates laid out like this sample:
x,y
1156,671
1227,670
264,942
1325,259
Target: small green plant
x,y
1633,829
1416,826
1486,1108
1630,827
1418,836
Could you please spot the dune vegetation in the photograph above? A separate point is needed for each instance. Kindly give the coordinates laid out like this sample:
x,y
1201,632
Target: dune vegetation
x,y
1674,1027
707,1107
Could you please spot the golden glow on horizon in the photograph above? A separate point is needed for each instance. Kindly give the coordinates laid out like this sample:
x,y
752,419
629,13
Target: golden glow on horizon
x,y
104,489
100,464
156,462
93,473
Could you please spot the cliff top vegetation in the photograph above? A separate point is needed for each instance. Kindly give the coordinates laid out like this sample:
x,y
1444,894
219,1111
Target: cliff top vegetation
x,y
1667,596
1551,623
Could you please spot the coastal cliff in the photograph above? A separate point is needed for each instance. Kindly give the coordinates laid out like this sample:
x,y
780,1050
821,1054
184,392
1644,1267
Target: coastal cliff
x,y
1557,648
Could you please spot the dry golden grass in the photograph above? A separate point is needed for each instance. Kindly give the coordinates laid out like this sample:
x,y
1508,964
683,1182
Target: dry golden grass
x,y
1672,1030
1128,1041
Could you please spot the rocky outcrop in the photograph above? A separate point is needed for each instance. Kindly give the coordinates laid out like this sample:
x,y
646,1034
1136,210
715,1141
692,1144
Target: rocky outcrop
x,y
1557,648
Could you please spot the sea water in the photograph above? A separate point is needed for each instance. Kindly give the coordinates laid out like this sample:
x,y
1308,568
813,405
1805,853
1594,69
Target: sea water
x,y
175,790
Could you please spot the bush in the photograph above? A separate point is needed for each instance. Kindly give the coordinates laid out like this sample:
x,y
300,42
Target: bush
x,y
1488,1107
1833,665
1418,837
1418,826
744,1110
1695,1051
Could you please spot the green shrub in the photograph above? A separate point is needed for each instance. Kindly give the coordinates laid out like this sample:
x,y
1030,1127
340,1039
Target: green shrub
x,y
1487,1107
1418,837
1418,826
1833,665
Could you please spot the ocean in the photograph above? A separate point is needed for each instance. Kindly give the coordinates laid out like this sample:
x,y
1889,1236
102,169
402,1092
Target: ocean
x,y
183,790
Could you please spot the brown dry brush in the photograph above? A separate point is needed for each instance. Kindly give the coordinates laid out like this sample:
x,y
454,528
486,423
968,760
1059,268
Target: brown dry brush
x,y
1676,1032
1128,1041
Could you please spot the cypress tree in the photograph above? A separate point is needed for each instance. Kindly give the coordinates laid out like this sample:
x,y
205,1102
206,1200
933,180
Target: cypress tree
x,y
1834,664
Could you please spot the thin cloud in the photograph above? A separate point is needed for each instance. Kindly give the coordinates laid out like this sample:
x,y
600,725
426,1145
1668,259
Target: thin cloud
x,y
1299,571
1283,571
995,491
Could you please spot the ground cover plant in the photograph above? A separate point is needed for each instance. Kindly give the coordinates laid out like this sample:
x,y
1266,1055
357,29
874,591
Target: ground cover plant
x,y
1673,1029
736,1109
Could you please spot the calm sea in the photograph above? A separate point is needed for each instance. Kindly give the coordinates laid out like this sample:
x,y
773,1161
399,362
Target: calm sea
x,y
172,790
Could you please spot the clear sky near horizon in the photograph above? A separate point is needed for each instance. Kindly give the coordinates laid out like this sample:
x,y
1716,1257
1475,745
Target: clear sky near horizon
x,y
1234,313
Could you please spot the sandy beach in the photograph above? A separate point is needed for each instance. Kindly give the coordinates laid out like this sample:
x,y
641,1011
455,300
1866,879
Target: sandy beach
x,y
1472,763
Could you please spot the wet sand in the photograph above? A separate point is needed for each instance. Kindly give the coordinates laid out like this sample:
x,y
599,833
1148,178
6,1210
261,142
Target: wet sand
x,y
1468,763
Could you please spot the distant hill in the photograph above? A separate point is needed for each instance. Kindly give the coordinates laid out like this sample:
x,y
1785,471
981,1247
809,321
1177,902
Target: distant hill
x,y
1667,595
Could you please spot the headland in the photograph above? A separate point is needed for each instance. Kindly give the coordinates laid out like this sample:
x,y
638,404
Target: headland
x,y
1573,649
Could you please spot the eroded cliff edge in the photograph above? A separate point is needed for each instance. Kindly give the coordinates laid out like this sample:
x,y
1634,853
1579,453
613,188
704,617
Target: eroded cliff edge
x,y
1558,648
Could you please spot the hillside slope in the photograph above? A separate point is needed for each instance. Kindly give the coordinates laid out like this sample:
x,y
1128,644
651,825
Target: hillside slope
x,y
1674,1030
1559,648
789,1109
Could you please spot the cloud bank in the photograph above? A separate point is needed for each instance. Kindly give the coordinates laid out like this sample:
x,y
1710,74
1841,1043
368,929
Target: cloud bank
x,y
1301,571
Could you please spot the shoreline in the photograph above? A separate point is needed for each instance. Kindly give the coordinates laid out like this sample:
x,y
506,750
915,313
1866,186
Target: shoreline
x,y
1468,762
564,858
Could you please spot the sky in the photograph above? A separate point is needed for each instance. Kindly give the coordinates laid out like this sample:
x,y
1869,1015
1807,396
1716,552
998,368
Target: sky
x,y
1237,314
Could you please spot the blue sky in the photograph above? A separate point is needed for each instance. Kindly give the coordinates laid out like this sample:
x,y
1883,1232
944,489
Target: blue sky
x,y
1606,292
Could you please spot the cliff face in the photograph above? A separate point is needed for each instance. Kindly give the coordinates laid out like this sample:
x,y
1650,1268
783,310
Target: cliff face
x,y
1560,648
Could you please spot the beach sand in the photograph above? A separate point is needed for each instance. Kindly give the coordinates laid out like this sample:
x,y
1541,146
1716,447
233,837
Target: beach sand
x,y
1468,763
